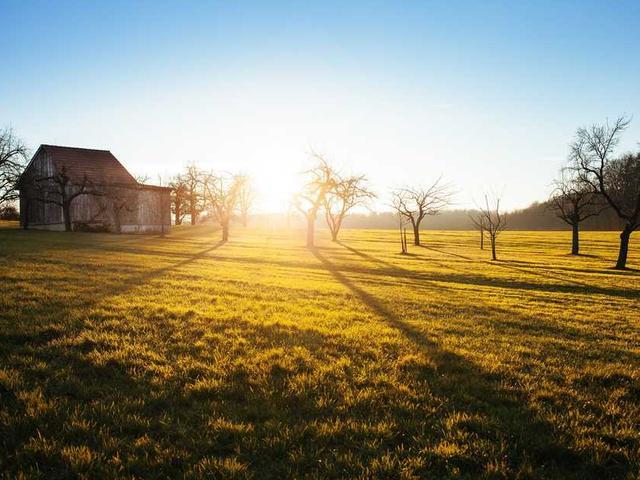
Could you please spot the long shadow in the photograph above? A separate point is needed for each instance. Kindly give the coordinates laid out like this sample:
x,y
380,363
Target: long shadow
x,y
531,441
587,288
136,280
389,270
532,325
436,279
42,307
130,402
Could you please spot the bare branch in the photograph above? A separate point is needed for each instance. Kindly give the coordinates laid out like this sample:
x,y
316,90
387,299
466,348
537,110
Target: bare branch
x,y
415,203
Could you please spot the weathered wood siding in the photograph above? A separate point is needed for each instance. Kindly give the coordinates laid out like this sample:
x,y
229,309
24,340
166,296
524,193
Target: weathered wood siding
x,y
150,206
152,211
40,213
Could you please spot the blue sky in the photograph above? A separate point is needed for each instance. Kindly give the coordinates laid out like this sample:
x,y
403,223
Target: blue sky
x,y
486,93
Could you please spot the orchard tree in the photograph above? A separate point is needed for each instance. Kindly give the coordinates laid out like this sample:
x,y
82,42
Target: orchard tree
x,y
59,189
221,193
246,198
195,181
616,179
415,203
573,202
493,220
345,194
320,180
179,198
13,158
477,218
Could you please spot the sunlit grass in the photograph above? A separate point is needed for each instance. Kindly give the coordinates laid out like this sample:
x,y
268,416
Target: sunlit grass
x,y
128,356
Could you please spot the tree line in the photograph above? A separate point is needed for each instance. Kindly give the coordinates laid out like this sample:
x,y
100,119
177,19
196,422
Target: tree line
x,y
595,183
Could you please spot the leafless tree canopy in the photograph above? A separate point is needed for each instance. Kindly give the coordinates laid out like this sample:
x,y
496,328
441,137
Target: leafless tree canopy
x,y
60,189
493,220
246,197
573,201
179,198
221,192
346,193
142,178
13,158
320,180
616,179
622,182
194,180
477,218
415,203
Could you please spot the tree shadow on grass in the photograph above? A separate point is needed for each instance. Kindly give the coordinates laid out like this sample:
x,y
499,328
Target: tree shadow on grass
x,y
532,443
160,426
512,320
580,287
38,310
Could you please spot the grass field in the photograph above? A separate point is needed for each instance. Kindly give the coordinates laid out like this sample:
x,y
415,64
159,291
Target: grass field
x,y
142,357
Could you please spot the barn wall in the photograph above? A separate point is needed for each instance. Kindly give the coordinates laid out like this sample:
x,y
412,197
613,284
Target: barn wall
x,y
153,210
90,210
38,212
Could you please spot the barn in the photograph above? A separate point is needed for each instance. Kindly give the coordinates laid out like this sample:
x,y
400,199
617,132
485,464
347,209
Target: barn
x,y
80,189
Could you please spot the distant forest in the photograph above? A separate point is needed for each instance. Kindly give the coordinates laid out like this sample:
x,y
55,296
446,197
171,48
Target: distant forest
x,y
537,216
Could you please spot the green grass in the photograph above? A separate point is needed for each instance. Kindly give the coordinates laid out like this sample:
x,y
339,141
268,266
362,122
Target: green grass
x,y
142,357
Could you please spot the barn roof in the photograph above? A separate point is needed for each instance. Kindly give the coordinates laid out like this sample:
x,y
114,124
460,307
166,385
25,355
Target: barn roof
x,y
98,166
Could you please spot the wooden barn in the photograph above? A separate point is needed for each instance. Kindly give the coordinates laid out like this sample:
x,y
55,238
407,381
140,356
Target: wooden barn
x,y
68,188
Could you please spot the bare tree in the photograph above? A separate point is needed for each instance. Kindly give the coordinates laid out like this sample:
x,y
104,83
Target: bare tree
x,y
246,198
321,179
478,221
616,179
221,196
493,219
415,203
142,178
574,202
195,179
403,236
59,189
13,157
179,198
346,194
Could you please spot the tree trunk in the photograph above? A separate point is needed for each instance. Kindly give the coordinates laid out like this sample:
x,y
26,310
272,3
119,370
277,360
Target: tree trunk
x,y
225,231
493,248
481,239
575,240
66,214
416,234
310,231
335,229
403,233
624,248
192,207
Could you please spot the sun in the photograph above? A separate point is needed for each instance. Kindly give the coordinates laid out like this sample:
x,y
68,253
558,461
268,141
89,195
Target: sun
x,y
275,189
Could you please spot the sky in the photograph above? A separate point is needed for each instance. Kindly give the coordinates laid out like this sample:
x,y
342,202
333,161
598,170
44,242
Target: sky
x,y
487,94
